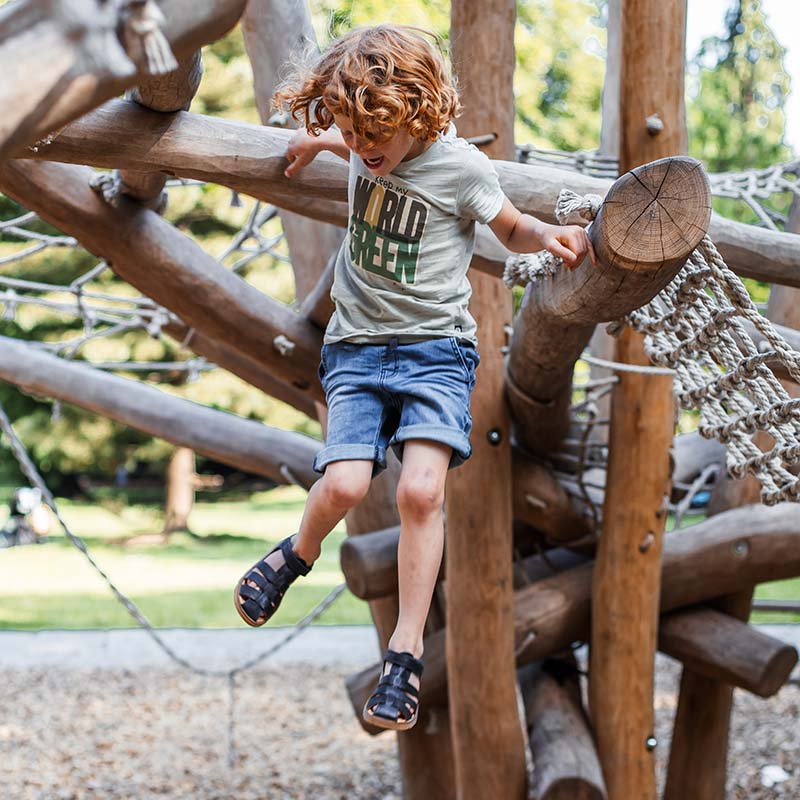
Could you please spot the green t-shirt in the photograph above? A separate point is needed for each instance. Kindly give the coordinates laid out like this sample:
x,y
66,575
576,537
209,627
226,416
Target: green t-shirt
x,y
402,268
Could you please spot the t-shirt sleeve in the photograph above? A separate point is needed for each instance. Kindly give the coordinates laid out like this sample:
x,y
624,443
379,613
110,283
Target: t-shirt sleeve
x,y
479,194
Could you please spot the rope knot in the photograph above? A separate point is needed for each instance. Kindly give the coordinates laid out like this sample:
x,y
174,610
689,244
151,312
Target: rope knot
x,y
144,40
569,202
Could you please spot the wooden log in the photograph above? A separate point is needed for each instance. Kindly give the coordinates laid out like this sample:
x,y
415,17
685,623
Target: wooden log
x,y
625,589
638,252
702,721
43,45
74,51
172,269
274,31
369,563
718,556
166,93
248,369
242,443
479,587
721,647
565,760
251,159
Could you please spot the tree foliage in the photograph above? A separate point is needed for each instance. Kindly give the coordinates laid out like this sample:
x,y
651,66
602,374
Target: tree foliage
x,y
737,89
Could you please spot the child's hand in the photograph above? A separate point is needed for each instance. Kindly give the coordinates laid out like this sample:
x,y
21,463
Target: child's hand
x,y
570,243
302,150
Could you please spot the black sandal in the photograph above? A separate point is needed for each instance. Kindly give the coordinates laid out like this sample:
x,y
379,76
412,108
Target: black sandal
x,y
394,703
262,602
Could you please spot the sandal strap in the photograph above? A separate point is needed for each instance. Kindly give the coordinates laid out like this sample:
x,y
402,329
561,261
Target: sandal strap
x,y
297,565
404,660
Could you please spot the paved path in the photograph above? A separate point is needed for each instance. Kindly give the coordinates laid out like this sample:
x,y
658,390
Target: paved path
x,y
217,649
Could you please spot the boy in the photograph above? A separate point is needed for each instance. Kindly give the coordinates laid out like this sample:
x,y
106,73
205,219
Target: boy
x,y
398,363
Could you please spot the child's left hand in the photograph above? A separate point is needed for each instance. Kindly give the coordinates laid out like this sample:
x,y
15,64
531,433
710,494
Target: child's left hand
x,y
570,243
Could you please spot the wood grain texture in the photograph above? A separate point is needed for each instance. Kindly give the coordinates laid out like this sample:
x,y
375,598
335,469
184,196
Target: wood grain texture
x,y
275,32
565,760
640,247
488,746
719,646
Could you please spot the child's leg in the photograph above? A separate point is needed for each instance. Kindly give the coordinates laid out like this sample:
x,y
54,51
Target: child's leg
x,y
420,499
342,486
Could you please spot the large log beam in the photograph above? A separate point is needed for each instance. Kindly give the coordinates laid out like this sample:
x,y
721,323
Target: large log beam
x,y
171,269
242,443
479,589
650,222
59,60
251,159
723,648
718,556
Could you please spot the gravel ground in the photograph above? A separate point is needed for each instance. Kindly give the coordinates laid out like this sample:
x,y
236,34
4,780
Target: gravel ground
x,y
160,732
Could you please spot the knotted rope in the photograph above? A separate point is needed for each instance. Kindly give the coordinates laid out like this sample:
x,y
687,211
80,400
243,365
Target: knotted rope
x,y
695,326
144,40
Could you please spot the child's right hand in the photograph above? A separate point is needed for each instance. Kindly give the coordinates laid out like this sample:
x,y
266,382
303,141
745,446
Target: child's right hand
x,y
302,150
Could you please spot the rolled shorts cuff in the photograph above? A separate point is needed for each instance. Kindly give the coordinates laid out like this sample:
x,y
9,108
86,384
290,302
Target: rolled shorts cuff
x,y
454,437
351,452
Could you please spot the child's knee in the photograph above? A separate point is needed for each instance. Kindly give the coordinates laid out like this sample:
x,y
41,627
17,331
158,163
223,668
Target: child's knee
x,y
345,486
420,494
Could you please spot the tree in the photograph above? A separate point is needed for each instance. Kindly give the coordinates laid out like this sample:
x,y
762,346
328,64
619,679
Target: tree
x,y
738,88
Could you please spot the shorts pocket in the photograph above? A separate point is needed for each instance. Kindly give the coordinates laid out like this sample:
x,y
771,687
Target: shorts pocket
x,y
467,356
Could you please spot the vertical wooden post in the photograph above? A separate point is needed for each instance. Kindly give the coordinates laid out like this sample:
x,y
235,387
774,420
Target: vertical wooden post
x,y
487,736
699,753
625,594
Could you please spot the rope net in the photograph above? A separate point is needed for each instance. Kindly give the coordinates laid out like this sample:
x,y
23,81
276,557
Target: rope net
x,y
695,326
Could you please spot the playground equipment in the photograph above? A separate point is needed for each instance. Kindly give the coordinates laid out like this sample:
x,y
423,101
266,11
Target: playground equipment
x,y
586,506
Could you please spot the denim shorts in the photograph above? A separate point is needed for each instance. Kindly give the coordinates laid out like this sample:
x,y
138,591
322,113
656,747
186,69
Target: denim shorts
x,y
380,395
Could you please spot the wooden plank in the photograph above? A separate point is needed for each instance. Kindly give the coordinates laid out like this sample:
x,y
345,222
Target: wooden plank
x,y
245,444
171,268
251,159
487,742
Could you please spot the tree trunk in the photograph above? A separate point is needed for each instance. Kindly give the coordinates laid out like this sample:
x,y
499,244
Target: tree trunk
x,y
180,490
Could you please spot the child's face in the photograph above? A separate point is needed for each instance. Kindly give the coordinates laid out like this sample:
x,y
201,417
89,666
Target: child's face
x,y
380,159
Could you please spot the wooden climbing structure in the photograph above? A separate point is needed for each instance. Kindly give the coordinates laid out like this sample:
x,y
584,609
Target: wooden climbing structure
x,y
615,581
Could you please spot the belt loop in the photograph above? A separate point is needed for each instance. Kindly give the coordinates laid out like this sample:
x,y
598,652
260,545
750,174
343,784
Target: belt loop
x,y
393,342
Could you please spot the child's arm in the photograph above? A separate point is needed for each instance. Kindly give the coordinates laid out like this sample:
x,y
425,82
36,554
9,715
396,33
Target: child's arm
x,y
303,148
522,233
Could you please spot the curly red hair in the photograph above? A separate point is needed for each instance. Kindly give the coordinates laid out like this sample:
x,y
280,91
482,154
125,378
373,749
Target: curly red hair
x,y
382,78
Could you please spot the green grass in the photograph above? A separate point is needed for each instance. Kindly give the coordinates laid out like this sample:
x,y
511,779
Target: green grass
x,y
187,582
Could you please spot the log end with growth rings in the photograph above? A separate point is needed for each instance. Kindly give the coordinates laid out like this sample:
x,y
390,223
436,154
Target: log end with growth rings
x,y
654,215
